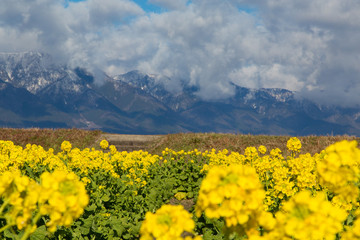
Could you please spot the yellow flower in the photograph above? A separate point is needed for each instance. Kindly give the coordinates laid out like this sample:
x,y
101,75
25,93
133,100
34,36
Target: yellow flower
x,y
21,195
306,217
262,149
167,223
85,180
180,195
339,170
63,198
104,144
294,144
113,149
66,146
233,193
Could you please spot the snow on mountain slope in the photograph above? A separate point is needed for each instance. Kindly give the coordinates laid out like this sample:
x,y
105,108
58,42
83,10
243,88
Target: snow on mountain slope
x,y
136,102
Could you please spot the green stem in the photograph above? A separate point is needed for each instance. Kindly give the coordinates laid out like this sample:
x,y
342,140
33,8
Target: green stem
x,y
29,227
5,203
5,227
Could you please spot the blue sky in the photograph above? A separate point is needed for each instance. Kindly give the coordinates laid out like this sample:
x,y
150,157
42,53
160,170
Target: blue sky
x,y
307,46
148,7
144,4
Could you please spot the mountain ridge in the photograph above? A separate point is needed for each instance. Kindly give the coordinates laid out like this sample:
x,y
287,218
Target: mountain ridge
x,y
137,103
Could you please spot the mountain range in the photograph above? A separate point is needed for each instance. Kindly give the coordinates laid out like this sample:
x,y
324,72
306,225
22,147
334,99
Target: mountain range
x,y
35,92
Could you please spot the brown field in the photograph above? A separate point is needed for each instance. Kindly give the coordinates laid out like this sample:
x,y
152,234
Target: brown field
x,y
50,138
238,142
181,141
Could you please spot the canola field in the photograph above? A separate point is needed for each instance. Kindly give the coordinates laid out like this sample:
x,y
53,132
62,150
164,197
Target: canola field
x,y
107,194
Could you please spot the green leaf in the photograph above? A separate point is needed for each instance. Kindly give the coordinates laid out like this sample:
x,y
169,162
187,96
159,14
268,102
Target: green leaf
x,y
30,171
85,228
91,208
179,189
183,177
39,234
118,227
127,236
190,194
350,219
105,198
208,235
9,234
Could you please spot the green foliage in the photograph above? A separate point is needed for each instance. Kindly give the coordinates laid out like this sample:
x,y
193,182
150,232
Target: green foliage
x,y
119,200
117,208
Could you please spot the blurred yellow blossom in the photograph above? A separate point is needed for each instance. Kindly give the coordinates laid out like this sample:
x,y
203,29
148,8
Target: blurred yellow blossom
x,y
294,144
167,223
104,144
66,146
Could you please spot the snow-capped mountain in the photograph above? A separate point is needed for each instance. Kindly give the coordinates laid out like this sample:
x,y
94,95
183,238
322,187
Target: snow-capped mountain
x,y
176,101
30,70
35,92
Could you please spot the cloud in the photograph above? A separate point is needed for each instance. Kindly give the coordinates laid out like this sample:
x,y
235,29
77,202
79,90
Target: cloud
x,y
108,12
334,26
309,46
14,41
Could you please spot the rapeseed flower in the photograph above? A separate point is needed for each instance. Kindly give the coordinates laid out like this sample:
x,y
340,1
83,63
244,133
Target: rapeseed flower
x,y
294,144
104,144
20,197
113,149
339,171
310,217
167,223
233,193
262,149
63,198
66,146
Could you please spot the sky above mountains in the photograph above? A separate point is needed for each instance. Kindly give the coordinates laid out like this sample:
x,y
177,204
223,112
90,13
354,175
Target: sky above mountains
x,y
308,46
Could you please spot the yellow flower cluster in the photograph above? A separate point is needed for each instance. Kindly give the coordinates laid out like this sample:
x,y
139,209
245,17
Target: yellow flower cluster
x,y
260,194
262,149
66,146
104,144
83,162
306,217
233,193
63,198
20,196
293,192
189,156
303,171
60,195
281,177
170,222
339,172
222,158
294,144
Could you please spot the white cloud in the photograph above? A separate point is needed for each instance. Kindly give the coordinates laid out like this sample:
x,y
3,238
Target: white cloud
x,y
274,76
12,40
310,46
108,12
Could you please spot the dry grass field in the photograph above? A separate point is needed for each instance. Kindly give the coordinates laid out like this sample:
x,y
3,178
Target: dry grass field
x,y
50,138
238,142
